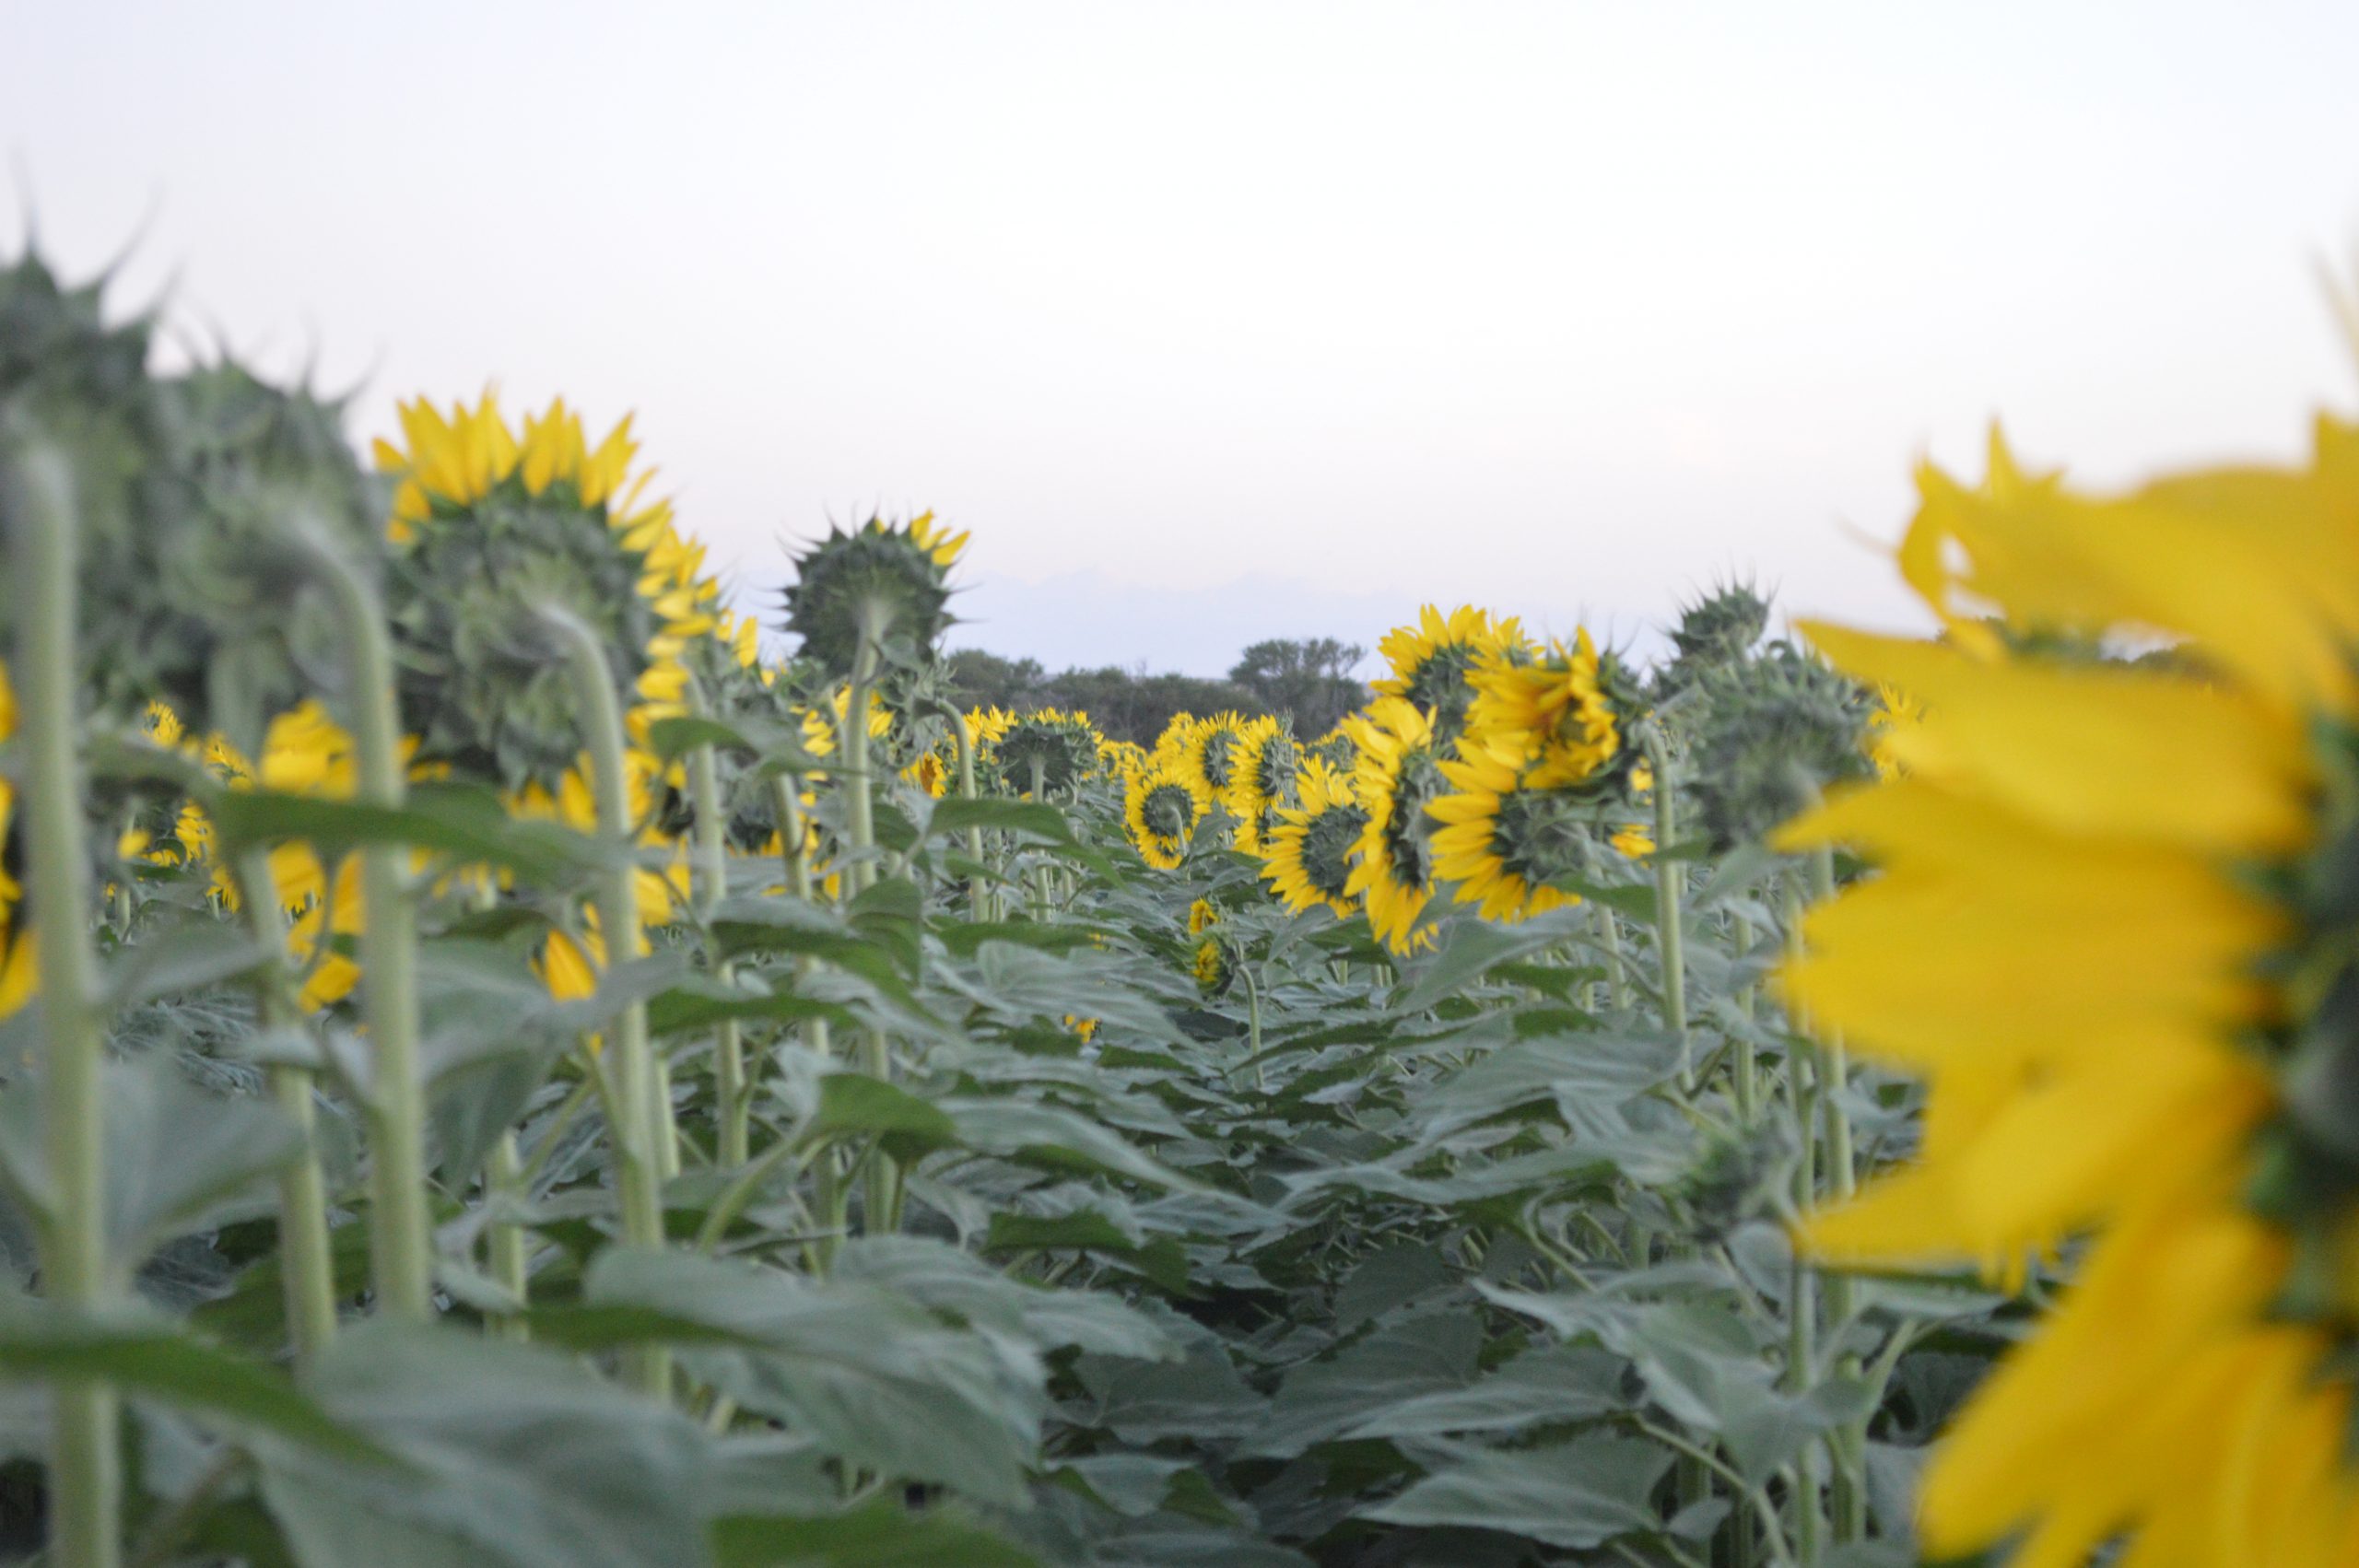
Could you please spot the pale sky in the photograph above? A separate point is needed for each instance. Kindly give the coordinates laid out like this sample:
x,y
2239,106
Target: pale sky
x,y
1223,322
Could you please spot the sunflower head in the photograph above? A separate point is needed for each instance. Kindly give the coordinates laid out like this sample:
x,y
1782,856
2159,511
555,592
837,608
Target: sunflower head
x,y
1162,805
1775,734
884,586
1432,661
1061,748
1507,836
1398,777
1717,631
1214,749
1214,967
185,490
1567,712
1307,853
492,537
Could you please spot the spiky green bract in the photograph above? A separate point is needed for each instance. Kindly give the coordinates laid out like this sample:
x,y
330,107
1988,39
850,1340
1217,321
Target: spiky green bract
x,y
884,582
185,487
1064,745
1774,733
1714,633
479,686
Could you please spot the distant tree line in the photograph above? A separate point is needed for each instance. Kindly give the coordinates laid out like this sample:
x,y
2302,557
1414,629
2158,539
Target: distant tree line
x,y
1309,681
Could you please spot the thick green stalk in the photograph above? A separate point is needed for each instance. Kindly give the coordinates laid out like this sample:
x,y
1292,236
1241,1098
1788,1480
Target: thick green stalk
x,y
306,1268
85,1470
637,1173
1668,876
711,876
503,1242
1609,927
1847,1495
1748,1067
401,1237
879,1197
826,1196
977,890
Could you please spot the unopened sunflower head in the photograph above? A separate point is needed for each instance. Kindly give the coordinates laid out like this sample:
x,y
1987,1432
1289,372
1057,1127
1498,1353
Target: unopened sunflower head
x,y
493,536
1772,735
884,587
1162,805
185,488
1718,631
1306,854
1432,662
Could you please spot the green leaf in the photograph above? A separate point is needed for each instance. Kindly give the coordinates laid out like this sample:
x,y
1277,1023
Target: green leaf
x,y
1470,949
863,1370
1320,1401
463,820
1552,1386
1059,1140
522,1458
1578,1495
944,1280
879,1534
158,1362
852,1103
193,954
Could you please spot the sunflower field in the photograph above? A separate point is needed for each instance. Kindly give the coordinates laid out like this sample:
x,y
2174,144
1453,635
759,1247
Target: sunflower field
x,y
502,1065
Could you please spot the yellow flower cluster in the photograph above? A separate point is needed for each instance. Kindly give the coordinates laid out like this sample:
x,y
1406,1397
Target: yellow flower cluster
x,y
1461,766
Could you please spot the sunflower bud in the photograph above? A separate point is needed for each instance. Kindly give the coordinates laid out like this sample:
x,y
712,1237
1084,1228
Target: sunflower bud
x,y
1716,633
1775,734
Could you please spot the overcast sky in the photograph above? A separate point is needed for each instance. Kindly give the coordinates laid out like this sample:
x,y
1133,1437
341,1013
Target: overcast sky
x,y
1216,322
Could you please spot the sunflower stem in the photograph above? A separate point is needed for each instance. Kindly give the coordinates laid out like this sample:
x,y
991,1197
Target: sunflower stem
x,y
85,1475
1609,928
307,1270
402,1239
636,1179
504,1241
709,878
1748,1068
786,806
1669,875
978,889
878,1195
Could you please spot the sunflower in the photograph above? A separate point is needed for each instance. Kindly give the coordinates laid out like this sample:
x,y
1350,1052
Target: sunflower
x,y
487,526
1505,835
1555,712
1213,750
930,774
1263,780
1163,804
2108,929
1398,775
1211,966
1201,917
1060,750
1433,660
881,585
1307,858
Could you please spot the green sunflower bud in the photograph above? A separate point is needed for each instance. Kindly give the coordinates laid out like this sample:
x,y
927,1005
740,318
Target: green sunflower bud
x,y
1716,633
1774,733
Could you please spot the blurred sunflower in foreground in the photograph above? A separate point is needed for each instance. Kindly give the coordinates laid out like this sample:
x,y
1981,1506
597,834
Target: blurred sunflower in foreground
x,y
2115,927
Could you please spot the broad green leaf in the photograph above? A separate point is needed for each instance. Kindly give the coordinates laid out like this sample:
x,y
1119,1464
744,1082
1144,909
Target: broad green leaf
x,y
1058,1138
879,1534
852,1103
156,1361
463,820
521,1458
1323,1399
863,1370
1552,1385
1578,1495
